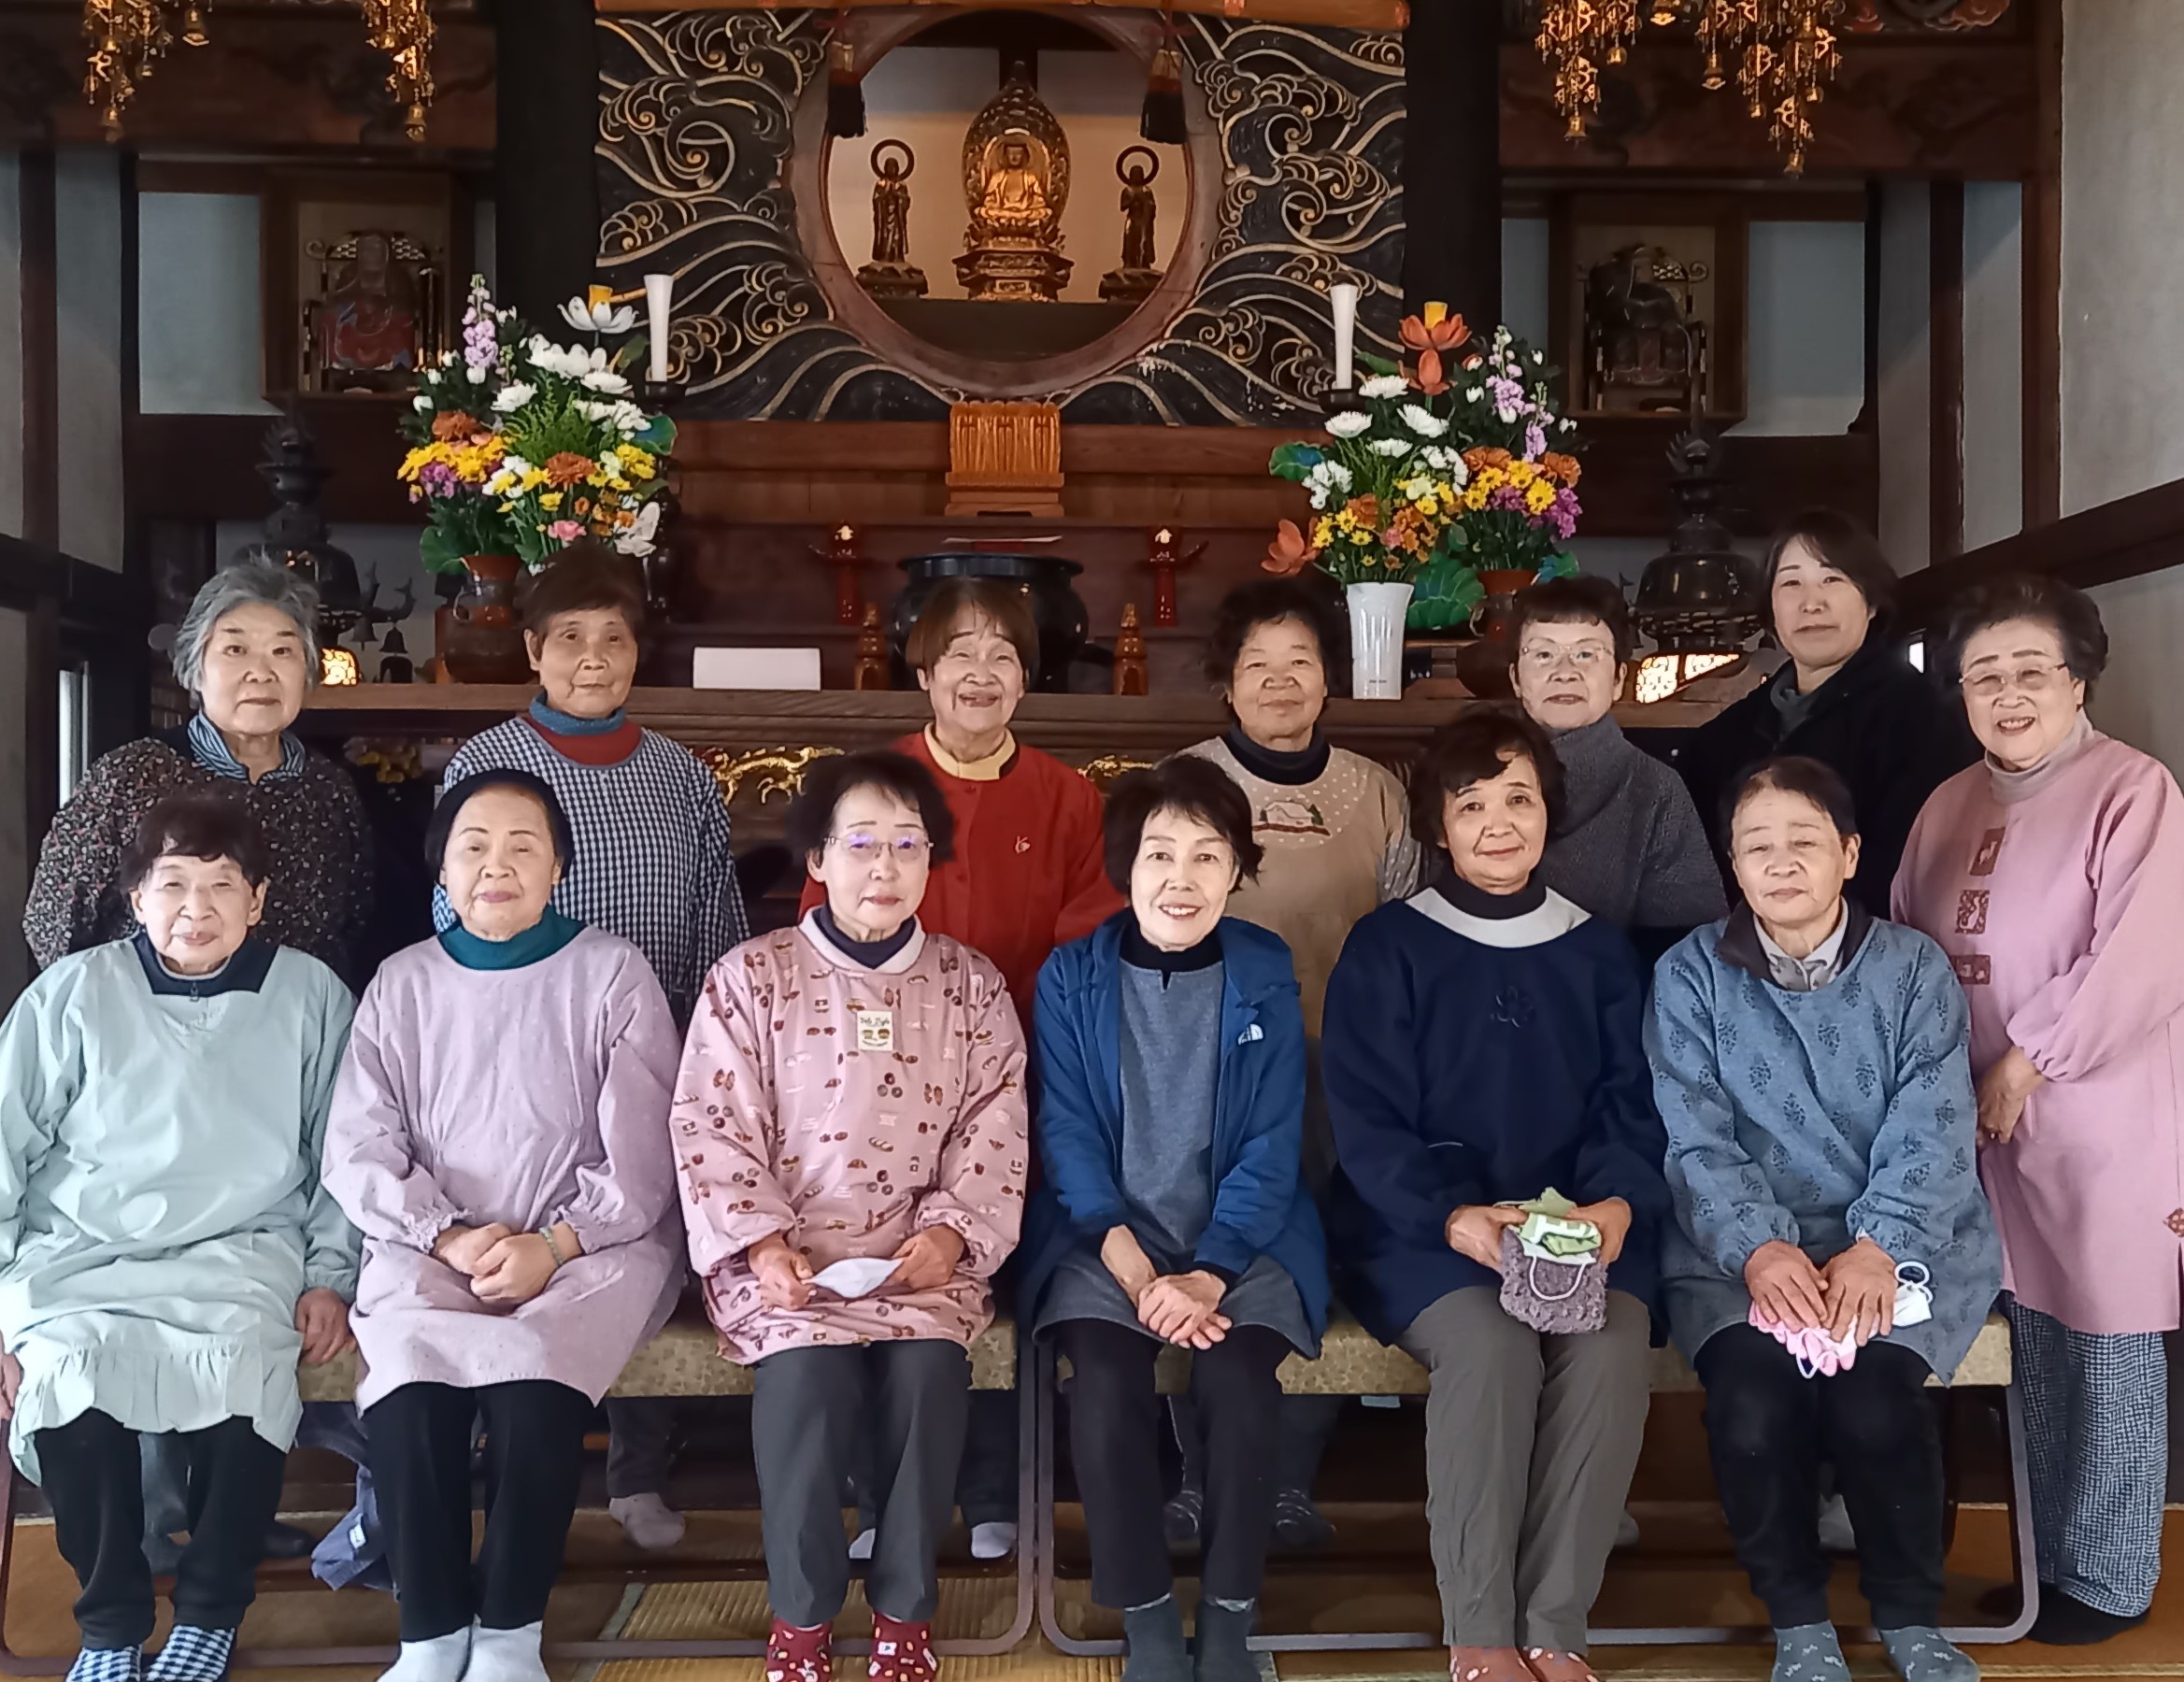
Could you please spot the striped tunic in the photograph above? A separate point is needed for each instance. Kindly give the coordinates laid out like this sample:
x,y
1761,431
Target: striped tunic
x,y
652,864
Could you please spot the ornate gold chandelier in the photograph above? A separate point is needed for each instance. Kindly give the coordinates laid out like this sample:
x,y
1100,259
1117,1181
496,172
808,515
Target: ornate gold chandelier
x,y
1782,54
128,38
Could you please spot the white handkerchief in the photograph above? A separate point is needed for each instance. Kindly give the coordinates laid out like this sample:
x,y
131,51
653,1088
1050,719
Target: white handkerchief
x,y
856,1276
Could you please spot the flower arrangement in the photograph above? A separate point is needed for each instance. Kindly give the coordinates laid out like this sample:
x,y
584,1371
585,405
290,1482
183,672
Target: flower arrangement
x,y
518,445
1442,471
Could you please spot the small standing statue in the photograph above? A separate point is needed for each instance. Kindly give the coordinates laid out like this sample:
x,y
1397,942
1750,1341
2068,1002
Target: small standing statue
x,y
891,274
1166,560
1130,655
845,555
1137,277
871,672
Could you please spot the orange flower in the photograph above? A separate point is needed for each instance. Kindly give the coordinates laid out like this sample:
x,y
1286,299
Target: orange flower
x,y
1431,379
1435,330
568,468
1564,467
1486,456
1366,510
1288,553
1472,361
454,426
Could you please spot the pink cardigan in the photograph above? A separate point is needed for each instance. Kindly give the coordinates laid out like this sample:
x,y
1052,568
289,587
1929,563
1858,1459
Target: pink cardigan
x,y
2059,897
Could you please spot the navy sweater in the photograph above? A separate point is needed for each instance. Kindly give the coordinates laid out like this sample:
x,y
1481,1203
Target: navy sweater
x,y
1478,1061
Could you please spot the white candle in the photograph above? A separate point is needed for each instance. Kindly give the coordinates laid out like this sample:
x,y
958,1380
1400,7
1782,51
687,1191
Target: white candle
x,y
1344,299
660,307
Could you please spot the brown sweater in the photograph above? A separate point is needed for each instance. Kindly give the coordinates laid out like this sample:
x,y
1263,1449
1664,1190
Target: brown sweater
x,y
314,823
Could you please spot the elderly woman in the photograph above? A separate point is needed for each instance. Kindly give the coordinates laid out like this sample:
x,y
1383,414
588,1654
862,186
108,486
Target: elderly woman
x,y
2053,877
1483,1049
248,656
1336,842
500,1136
1847,697
851,1123
142,1289
1025,878
1171,1060
652,864
1808,1061
1628,846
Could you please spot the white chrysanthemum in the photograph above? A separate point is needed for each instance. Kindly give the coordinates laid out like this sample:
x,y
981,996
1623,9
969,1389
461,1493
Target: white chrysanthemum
x,y
512,398
421,404
478,377
1348,423
597,317
1391,448
1384,385
1474,394
629,419
1424,421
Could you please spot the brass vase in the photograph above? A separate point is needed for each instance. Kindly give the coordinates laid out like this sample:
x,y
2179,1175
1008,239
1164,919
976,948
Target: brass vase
x,y
484,644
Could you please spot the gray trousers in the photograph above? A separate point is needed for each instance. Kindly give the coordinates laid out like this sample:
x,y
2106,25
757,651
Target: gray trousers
x,y
1530,1442
809,1410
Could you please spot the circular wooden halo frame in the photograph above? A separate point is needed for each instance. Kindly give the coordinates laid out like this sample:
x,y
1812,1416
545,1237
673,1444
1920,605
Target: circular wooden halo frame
x,y
873,35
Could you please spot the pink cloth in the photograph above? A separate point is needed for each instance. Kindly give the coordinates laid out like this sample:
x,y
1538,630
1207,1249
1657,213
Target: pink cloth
x,y
2062,908
849,1108
525,1096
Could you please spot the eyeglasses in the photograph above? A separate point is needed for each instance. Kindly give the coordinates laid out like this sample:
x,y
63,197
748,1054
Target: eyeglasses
x,y
2024,680
1586,656
870,849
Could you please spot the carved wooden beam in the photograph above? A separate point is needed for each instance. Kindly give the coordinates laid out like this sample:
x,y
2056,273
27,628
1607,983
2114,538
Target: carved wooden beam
x,y
1339,14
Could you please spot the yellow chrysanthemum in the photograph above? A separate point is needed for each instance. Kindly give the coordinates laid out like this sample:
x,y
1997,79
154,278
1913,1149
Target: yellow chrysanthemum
x,y
1521,474
638,464
1475,495
1538,497
552,501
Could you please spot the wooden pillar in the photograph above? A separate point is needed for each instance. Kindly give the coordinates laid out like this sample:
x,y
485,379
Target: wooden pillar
x,y
42,374
546,210
1945,360
1452,158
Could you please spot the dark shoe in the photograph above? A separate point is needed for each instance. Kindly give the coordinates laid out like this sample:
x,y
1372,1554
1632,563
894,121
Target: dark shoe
x,y
286,1542
1153,1636
2064,1621
1182,1516
2004,1600
1223,1647
1298,1524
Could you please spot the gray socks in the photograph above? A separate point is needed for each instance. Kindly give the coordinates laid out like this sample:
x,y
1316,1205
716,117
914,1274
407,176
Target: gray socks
x,y
1154,1635
1225,1631
1920,1655
1809,1653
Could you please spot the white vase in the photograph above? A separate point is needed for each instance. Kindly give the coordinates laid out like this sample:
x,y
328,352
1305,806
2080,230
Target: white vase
x,y
1376,612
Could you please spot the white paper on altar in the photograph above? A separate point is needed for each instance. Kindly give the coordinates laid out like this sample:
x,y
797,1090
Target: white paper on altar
x,y
755,668
859,1276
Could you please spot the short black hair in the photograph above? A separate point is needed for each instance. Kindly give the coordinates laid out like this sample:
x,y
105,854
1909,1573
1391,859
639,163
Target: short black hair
x,y
2064,608
1188,784
585,576
1793,774
198,824
1476,747
457,795
1578,600
1268,601
826,784
1847,547
1008,604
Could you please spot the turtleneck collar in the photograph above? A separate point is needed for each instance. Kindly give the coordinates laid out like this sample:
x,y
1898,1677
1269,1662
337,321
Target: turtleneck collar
x,y
245,970
534,945
1477,901
993,768
1271,765
2013,786
870,953
569,724
1140,953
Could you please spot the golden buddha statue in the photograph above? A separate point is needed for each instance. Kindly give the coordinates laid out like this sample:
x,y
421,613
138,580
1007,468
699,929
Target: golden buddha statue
x,y
1016,181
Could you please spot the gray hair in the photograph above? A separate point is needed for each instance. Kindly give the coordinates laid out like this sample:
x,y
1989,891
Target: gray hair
x,y
240,586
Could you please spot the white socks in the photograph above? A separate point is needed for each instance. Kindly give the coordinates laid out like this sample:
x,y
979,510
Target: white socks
x,y
505,1656
647,1520
992,1540
439,1660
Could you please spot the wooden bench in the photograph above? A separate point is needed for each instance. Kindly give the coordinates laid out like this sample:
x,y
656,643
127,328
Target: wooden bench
x,y
1352,1362
684,1360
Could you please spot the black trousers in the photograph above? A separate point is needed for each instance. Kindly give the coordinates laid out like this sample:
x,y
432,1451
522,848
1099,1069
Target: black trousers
x,y
1769,1429
812,1410
419,1439
1114,1438
93,1473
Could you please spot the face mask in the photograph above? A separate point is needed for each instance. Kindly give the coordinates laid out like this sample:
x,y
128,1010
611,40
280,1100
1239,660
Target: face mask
x,y
1821,1356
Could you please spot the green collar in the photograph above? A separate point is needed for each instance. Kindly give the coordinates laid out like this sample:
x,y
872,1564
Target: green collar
x,y
540,941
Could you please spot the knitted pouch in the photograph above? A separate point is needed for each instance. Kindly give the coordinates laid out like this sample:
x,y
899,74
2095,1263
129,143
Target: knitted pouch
x,y
1557,1298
